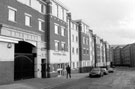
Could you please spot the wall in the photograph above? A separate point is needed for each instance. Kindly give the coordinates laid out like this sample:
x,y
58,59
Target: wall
x,y
6,63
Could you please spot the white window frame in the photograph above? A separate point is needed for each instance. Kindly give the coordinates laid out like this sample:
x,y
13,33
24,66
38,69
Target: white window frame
x,y
40,22
62,31
77,39
65,15
60,14
72,37
63,44
77,50
83,40
29,16
56,30
84,51
44,9
12,18
56,46
73,50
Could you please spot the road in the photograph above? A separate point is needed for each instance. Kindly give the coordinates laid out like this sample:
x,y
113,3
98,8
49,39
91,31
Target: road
x,y
122,78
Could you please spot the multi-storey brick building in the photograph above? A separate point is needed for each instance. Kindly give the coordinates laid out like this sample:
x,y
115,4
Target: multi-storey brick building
x,y
84,56
22,39
41,39
117,56
57,36
108,61
104,54
92,49
73,43
97,51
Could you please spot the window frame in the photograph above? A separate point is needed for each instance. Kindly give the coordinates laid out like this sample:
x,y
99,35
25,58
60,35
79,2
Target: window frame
x,y
40,28
62,31
9,14
29,16
63,46
56,31
56,48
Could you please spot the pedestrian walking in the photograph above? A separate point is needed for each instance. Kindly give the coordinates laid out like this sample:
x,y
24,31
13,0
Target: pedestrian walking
x,y
68,69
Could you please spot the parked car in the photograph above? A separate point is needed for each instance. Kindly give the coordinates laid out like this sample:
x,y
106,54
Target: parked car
x,y
110,70
96,72
105,71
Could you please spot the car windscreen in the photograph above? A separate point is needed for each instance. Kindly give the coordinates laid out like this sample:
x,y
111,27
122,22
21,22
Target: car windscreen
x,y
97,69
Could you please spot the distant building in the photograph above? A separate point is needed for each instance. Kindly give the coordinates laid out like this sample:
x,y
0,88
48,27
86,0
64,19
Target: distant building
x,y
91,48
108,60
117,56
97,51
127,55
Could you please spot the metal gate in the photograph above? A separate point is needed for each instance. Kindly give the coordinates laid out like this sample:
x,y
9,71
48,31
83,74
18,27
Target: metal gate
x,y
24,66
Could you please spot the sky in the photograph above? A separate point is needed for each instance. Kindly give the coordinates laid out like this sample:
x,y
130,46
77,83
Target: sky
x,y
112,20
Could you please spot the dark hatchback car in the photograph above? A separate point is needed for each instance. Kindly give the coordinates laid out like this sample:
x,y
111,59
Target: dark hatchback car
x,y
96,72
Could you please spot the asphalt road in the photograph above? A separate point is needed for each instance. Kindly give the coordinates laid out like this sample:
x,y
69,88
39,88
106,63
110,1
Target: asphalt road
x,y
122,78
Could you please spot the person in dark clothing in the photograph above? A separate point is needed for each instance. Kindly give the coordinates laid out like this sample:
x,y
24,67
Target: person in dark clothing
x,y
68,69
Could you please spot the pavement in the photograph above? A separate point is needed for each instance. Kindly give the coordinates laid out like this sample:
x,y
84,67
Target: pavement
x,y
46,83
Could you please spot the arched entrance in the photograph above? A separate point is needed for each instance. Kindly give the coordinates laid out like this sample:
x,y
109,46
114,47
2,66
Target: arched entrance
x,y
24,61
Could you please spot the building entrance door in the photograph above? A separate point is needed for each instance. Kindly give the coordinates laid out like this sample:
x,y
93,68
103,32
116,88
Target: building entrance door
x,y
44,68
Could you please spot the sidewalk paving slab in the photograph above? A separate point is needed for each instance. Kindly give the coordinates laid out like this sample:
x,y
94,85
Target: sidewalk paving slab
x,y
46,83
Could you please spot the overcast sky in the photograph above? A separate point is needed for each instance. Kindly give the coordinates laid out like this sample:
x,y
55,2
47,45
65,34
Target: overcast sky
x,y
112,20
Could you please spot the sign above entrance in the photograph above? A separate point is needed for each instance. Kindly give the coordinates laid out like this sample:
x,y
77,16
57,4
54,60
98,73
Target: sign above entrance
x,y
20,33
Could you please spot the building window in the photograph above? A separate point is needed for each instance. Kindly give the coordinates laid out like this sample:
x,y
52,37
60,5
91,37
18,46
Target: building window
x,y
63,45
73,65
43,9
71,25
77,51
84,51
76,39
73,50
77,64
87,41
83,40
56,45
62,31
54,9
60,12
40,24
56,28
76,27
65,15
87,51
12,14
27,19
72,38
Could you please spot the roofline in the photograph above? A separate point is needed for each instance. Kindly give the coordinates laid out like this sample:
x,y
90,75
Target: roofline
x,y
82,21
60,3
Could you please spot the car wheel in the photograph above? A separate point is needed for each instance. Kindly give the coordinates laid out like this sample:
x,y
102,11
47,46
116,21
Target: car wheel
x,y
100,75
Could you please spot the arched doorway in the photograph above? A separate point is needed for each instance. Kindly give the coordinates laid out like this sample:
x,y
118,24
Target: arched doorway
x,y
24,61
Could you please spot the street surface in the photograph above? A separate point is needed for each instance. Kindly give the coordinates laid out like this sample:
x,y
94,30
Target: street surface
x,y
122,78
